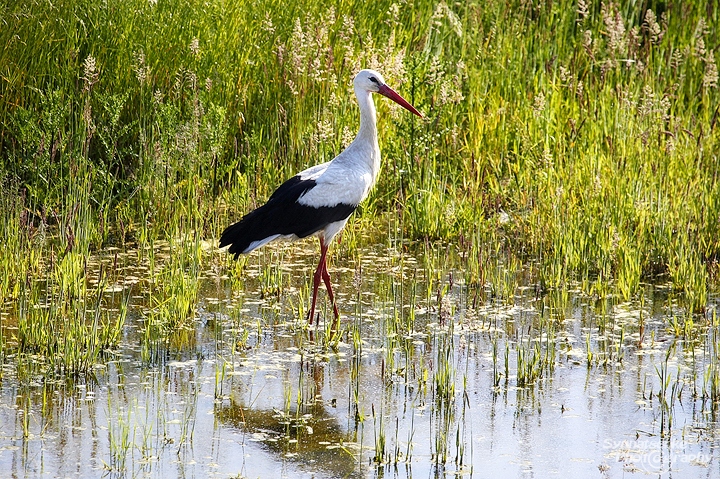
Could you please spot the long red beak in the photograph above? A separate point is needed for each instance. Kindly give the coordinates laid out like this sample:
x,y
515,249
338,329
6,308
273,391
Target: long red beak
x,y
385,90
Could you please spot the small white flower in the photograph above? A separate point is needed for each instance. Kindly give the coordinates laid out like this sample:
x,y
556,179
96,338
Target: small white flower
x,y
90,72
710,77
195,46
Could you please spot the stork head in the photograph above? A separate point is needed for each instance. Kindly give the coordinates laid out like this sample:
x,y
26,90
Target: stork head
x,y
372,81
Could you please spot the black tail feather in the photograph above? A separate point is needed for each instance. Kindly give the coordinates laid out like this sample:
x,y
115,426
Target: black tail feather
x,y
241,234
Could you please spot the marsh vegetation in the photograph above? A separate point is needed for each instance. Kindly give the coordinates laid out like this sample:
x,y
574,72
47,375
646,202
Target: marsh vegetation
x,y
530,289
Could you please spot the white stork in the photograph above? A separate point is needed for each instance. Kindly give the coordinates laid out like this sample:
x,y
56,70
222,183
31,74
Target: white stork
x,y
319,200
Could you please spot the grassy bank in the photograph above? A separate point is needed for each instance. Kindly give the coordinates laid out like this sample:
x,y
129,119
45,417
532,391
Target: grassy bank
x,y
577,139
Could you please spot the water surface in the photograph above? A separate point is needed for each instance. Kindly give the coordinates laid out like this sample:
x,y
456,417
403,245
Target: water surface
x,y
426,377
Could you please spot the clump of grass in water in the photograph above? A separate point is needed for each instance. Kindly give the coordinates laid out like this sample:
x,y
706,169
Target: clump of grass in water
x,y
711,378
173,288
379,456
667,392
444,377
63,319
529,367
119,437
355,403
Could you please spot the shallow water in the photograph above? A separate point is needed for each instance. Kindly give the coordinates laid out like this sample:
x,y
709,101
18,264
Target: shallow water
x,y
427,378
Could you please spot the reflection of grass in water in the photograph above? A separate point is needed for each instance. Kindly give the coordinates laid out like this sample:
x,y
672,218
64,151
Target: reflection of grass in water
x,y
308,435
711,378
379,456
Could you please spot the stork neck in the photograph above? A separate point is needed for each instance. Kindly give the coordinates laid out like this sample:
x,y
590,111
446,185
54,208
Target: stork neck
x,y
368,117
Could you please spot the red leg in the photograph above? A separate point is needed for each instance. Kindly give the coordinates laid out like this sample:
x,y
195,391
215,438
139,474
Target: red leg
x,y
322,273
316,278
328,285
316,284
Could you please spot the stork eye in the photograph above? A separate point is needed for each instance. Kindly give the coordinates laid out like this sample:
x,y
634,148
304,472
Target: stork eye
x,y
374,80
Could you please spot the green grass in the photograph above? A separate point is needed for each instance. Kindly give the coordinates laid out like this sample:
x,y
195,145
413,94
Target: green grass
x,y
580,143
